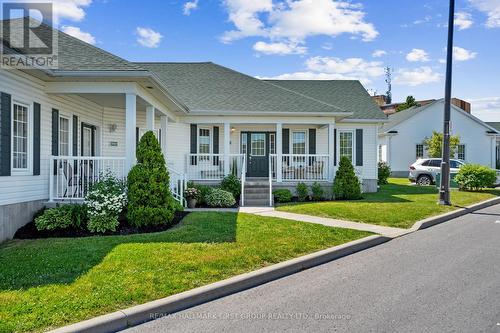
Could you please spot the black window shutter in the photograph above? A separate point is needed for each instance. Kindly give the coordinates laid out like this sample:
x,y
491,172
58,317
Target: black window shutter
x,y
55,132
335,147
5,134
36,139
215,149
312,145
359,147
75,136
136,136
194,144
286,141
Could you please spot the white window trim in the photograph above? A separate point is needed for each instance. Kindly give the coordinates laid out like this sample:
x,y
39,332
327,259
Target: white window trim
x,y
465,151
70,133
353,148
423,150
306,131
269,143
211,141
241,142
29,170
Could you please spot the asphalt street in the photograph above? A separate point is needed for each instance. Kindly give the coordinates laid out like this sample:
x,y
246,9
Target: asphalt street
x,y
442,279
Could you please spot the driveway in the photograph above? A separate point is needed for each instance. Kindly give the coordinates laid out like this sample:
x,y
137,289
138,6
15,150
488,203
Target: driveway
x,y
442,279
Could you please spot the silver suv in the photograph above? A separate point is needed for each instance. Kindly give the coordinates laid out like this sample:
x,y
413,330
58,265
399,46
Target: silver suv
x,y
423,171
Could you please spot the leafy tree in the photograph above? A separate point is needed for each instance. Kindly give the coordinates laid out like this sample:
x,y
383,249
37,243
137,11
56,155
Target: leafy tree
x,y
346,185
410,102
434,144
149,199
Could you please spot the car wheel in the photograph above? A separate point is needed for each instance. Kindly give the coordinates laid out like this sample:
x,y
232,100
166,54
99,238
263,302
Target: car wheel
x,y
424,180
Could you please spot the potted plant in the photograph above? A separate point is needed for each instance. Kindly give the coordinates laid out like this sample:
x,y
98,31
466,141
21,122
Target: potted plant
x,y
191,195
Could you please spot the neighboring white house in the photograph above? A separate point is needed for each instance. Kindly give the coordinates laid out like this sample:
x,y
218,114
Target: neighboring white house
x,y
61,129
401,138
496,125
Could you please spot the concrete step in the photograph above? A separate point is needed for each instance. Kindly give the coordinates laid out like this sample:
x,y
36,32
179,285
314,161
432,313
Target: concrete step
x,y
257,202
256,189
256,184
261,196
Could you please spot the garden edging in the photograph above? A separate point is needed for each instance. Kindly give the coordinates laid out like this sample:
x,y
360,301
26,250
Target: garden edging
x,y
138,314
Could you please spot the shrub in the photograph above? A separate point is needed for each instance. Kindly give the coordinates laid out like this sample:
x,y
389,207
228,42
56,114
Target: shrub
x,y
62,217
346,185
203,191
282,195
149,199
302,191
473,177
317,191
232,184
220,198
384,171
105,200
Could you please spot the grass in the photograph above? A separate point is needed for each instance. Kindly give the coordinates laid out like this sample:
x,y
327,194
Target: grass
x,y
398,204
52,282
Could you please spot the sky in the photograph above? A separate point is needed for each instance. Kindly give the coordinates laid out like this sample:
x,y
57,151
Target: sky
x,y
309,39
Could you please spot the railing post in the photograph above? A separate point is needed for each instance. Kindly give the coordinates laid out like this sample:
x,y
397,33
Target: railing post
x,y
227,140
331,151
279,152
51,179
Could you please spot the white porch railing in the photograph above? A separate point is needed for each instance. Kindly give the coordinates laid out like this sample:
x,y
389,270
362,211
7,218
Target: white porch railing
x,y
211,166
178,184
243,178
301,167
71,176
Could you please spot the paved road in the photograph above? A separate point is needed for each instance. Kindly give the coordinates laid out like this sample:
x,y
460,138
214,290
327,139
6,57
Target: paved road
x,y
442,279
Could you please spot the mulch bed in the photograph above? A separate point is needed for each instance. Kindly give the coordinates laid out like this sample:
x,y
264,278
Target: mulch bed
x,y
29,231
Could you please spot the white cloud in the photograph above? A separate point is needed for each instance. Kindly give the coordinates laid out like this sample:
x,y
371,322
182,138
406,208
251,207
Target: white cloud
x,y
490,8
486,108
460,54
331,68
417,55
379,53
463,20
416,77
189,7
295,21
442,61
72,10
78,33
147,37
279,48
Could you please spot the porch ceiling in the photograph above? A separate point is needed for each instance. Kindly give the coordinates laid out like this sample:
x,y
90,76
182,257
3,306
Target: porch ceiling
x,y
113,100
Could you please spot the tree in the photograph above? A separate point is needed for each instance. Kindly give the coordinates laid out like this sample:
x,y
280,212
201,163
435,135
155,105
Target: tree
x,y
434,144
410,102
346,185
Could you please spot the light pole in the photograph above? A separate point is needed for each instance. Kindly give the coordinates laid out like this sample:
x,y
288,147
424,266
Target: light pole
x,y
444,189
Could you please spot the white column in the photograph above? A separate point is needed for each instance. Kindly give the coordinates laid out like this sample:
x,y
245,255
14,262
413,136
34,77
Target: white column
x,y
279,152
227,142
163,139
150,118
130,125
331,151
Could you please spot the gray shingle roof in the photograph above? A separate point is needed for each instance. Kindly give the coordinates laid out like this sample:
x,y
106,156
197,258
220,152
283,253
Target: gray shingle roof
x,y
349,95
495,125
210,87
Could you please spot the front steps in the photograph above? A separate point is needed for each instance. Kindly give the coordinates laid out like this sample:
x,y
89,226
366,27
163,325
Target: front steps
x,y
256,192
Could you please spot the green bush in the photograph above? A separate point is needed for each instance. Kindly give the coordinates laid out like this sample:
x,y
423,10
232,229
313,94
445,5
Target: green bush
x,y
317,191
220,198
203,191
282,195
149,199
102,223
302,191
346,185
473,177
62,217
232,184
384,172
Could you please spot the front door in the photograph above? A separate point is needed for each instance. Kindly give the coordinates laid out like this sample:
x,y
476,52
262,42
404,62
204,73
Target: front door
x,y
257,154
88,140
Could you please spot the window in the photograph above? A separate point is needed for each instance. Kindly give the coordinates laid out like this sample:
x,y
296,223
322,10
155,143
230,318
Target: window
x,y
258,144
64,136
346,144
455,164
461,152
204,143
419,151
299,142
380,156
20,137
272,143
435,163
244,143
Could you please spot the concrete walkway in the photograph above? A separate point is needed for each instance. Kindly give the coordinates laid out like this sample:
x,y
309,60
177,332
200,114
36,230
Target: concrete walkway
x,y
381,230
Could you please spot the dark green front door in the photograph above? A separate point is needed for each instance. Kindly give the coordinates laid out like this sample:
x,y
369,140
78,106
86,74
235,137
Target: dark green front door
x,y
257,154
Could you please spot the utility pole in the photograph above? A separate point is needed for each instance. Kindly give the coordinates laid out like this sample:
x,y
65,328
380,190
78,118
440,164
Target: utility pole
x,y
444,190
388,80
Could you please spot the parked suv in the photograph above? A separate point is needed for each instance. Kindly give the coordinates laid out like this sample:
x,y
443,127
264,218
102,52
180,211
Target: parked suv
x,y
423,171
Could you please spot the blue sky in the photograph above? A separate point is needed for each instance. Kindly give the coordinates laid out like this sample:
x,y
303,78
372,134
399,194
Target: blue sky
x,y
320,39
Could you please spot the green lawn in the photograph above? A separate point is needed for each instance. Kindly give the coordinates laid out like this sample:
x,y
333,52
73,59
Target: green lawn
x,y
49,283
398,204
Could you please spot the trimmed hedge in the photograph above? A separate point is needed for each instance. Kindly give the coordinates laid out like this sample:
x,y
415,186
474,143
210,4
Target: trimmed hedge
x,y
282,195
474,177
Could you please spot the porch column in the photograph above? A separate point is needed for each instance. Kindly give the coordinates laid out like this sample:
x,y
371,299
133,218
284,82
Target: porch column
x,y
279,152
227,141
163,138
150,118
331,151
130,125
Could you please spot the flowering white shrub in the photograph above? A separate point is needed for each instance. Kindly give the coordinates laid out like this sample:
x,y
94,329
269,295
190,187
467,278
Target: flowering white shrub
x,y
105,201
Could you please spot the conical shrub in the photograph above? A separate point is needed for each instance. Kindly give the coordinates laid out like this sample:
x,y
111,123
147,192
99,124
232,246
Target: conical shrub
x,y
346,185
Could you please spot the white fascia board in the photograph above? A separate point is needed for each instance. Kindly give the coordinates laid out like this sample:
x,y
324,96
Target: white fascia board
x,y
91,88
256,120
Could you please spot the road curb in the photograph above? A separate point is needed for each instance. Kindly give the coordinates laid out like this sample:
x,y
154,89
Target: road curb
x,y
139,314
431,221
